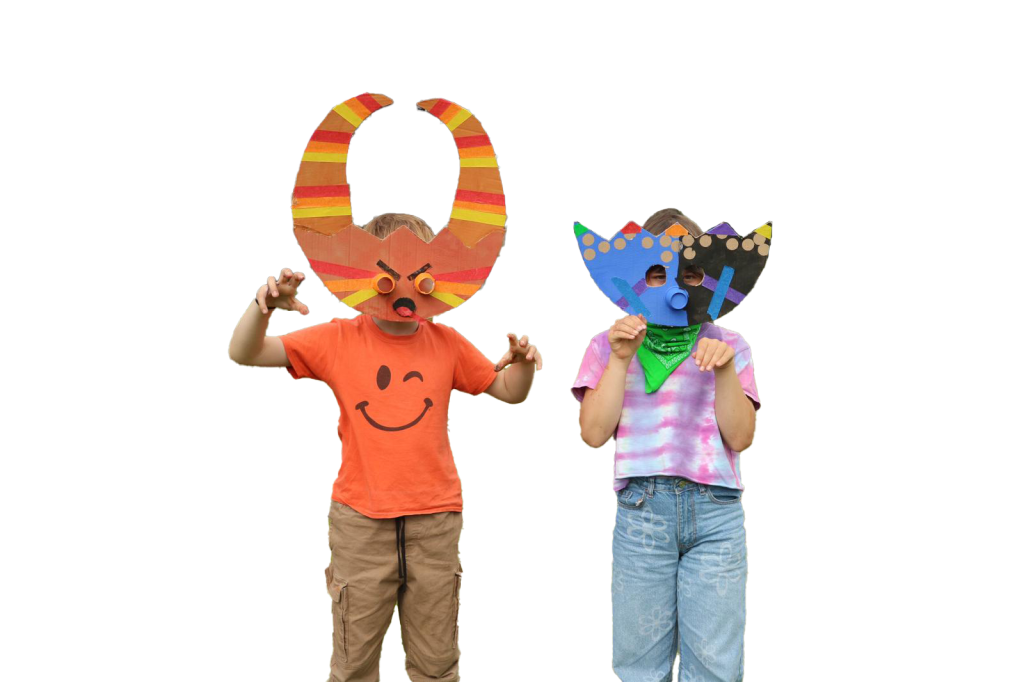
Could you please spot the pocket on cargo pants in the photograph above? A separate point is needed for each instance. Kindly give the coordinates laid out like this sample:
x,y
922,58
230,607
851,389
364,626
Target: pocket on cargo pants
x,y
455,605
338,589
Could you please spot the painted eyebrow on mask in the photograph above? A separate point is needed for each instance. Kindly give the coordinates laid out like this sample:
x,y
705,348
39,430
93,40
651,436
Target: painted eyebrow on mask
x,y
384,266
413,375
420,271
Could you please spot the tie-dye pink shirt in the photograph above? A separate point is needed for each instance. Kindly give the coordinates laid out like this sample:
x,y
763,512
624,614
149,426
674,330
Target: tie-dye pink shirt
x,y
673,431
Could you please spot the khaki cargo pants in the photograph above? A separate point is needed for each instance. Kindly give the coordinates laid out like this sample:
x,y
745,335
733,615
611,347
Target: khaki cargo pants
x,y
412,561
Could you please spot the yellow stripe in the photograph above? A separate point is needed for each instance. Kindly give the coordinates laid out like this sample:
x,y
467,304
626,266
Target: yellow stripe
x,y
358,297
324,157
347,114
478,217
336,285
466,290
458,119
486,162
451,299
321,212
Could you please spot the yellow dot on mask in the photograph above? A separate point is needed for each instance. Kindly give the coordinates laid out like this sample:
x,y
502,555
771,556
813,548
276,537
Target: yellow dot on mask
x,y
590,254
588,239
620,243
732,244
748,244
666,256
665,240
604,247
647,242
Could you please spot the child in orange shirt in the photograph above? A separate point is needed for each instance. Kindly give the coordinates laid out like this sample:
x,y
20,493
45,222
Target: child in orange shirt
x,y
396,510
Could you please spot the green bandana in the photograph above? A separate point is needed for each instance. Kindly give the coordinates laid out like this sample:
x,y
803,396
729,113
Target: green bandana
x,y
664,349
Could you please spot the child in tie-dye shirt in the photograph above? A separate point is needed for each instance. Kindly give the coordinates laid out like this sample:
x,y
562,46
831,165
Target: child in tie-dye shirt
x,y
679,568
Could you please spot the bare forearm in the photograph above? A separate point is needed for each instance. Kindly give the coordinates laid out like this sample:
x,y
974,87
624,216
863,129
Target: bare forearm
x,y
519,379
249,336
602,406
733,409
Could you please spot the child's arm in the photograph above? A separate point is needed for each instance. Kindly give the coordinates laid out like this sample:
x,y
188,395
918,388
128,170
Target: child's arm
x,y
602,406
513,385
733,409
250,344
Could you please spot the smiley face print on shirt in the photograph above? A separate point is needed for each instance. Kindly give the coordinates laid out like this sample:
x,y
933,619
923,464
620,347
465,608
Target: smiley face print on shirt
x,y
384,381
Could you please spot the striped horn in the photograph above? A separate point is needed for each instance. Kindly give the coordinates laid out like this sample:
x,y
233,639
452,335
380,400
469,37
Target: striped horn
x,y
321,200
479,207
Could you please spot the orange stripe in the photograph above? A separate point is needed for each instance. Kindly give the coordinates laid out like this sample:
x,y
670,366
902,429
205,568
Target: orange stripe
x,y
358,108
475,152
341,285
333,147
456,288
484,208
449,113
317,202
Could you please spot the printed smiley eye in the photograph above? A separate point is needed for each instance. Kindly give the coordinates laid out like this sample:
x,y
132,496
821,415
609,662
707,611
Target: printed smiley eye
x,y
383,377
413,375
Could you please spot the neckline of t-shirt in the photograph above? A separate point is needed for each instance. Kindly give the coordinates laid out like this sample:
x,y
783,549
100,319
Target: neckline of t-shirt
x,y
392,338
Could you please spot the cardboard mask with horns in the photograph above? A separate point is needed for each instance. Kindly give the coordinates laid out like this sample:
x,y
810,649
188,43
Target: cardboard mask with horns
x,y
731,266
400,276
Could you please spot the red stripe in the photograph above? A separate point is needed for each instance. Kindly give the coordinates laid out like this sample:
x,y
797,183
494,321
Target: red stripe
x,y
440,107
320,266
464,275
331,136
480,197
472,141
310,191
368,101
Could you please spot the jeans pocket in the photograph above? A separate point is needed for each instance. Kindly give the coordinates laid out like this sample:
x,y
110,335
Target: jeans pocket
x,y
455,607
338,589
722,495
632,496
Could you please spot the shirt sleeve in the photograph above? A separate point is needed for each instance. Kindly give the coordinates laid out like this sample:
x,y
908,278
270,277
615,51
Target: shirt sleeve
x,y
591,369
311,351
745,371
474,373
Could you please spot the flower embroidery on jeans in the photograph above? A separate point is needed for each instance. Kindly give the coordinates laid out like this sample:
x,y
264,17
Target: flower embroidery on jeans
x,y
656,676
721,569
690,675
649,529
618,581
657,624
685,584
705,655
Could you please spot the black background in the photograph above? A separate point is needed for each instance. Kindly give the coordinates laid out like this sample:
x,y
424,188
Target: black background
x,y
539,513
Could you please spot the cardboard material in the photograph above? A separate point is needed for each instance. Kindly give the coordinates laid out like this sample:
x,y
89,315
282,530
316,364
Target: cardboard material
x,y
428,278
731,266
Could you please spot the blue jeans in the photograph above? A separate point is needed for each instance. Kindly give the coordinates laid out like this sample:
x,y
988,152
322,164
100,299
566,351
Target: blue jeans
x,y
679,579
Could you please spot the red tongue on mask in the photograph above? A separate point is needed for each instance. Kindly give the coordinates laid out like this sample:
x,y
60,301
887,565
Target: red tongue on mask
x,y
405,312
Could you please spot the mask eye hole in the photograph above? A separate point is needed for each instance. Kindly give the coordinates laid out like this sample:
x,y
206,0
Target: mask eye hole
x,y
656,276
693,276
384,283
424,283
383,377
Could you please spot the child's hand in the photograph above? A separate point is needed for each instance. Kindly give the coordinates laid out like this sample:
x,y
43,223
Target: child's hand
x,y
626,335
280,293
519,350
713,354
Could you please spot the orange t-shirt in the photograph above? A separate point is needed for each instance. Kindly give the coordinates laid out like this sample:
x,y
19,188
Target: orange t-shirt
x,y
393,393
